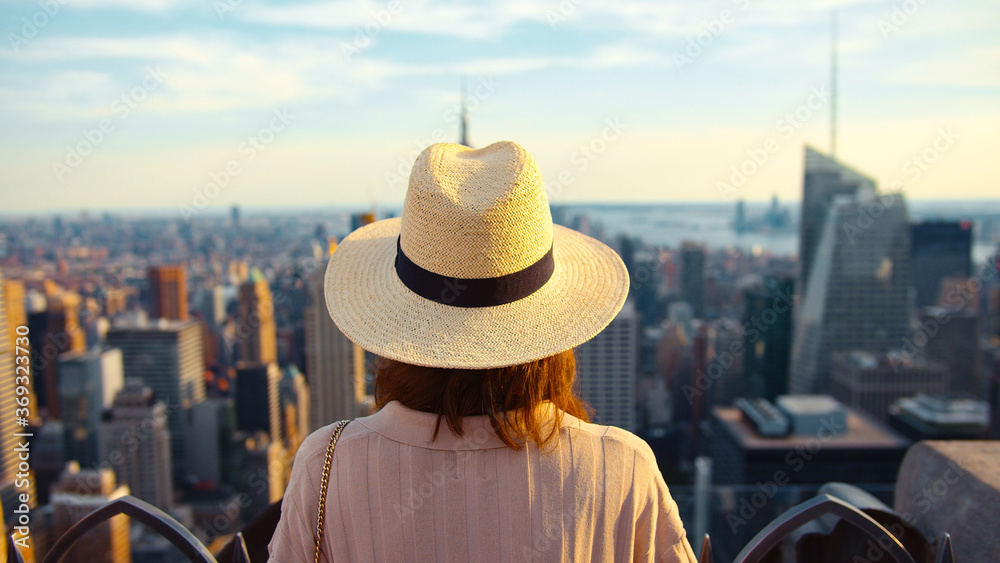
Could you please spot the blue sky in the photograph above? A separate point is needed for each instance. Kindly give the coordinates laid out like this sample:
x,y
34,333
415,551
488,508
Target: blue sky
x,y
200,104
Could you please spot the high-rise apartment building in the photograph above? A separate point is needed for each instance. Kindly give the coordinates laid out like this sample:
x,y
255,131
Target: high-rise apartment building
x,y
857,293
693,277
940,249
88,383
135,440
167,356
256,336
335,366
168,293
607,369
77,494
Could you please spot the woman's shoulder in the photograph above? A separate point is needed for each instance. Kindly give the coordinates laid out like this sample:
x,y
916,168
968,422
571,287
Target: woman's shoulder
x,y
614,441
316,443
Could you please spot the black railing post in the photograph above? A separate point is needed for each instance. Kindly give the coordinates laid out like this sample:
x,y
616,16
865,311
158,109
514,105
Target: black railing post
x,y
156,519
795,517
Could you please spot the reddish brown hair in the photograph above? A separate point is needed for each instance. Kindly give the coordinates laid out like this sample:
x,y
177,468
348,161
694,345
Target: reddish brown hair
x,y
509,396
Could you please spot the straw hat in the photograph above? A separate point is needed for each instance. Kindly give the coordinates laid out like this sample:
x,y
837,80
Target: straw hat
x,y
473,274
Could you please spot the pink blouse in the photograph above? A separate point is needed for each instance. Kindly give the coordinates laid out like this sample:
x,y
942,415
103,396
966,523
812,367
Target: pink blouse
x,y
596,494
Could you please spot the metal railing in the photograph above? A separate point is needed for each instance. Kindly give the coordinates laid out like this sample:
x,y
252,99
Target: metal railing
x,y
157,520
772,535
261,528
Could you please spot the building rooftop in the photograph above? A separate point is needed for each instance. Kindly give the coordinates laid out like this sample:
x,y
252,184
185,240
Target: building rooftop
x,y
862,432
809,404
895,358
953,409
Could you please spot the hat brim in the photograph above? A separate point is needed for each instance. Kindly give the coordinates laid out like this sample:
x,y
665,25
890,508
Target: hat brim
x,y
373,308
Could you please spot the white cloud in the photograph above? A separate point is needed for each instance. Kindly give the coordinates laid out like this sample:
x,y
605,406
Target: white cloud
x,y
975,67
138,5
416,16
178,47
224,72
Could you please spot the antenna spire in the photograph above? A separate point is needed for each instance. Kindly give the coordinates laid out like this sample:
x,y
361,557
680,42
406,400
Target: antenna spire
x,y
464,125
833,86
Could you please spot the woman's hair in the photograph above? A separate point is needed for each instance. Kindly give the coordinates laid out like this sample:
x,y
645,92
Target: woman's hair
x,y
509,396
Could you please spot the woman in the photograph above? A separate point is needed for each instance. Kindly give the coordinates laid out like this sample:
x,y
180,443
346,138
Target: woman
x,y
480,450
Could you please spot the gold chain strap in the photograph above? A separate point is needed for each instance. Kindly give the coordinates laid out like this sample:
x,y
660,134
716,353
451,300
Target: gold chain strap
x,y
321,516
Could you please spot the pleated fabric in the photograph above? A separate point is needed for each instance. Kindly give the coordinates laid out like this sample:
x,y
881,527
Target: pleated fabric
x,y
595,494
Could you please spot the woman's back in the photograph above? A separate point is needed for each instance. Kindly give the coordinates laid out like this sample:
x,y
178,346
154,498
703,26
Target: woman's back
x,y
472,301
395,495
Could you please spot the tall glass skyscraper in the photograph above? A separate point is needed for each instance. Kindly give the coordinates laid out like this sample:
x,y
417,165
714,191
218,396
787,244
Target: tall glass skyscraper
x,y
856,293
824,180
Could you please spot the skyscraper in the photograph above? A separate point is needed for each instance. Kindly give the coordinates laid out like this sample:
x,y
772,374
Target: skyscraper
x,y
767,342
135,440
940,249
293,395
48,458
213,305
824,180
463,132
54,330
953,339
740,222
77,494
607,369
727,334
258,408
210,426
266,472
255,331
167,357
8,422
168,293
13,296
88,383
857,292
693,277
335,366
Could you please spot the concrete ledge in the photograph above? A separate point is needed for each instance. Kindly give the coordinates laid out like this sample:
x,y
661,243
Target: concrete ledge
x,y
954,487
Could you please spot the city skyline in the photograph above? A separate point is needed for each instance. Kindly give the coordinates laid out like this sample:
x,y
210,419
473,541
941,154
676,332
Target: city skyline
x,y
311,104
705,324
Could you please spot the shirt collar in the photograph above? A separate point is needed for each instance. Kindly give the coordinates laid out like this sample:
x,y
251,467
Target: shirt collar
x,y
416,428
